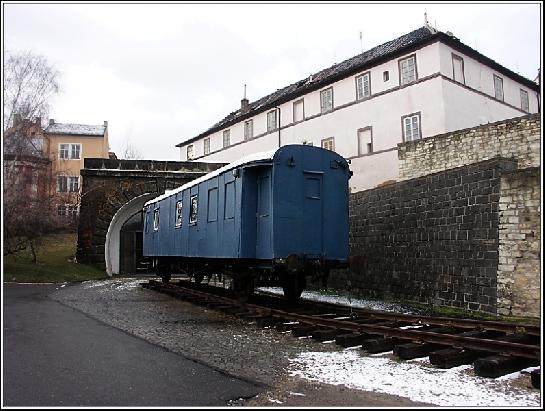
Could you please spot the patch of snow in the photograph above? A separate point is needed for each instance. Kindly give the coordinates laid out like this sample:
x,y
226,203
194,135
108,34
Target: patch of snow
x,y
342,300
417,381
297,394
275,401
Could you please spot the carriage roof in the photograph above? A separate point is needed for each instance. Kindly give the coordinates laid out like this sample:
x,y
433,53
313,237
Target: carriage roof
x,y
252,158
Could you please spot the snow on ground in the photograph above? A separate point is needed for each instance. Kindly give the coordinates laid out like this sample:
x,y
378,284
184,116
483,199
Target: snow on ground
x,y
415,379
334,298
118,284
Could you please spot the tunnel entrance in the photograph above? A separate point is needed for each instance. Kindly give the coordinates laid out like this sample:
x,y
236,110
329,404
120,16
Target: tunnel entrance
x,y
131,260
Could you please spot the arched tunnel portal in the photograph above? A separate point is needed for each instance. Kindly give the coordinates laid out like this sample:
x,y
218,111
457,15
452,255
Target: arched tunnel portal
x,y
113,194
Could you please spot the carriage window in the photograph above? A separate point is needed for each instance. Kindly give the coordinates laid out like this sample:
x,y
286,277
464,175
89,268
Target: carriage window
x,y
229,204
146,224
178,213
193,210
213,204
155,220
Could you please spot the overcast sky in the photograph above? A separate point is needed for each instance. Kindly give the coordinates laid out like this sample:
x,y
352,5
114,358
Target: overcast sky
x,y
163,73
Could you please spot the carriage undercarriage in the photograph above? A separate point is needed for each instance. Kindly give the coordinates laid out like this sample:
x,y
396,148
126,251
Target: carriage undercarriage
x,y
243,276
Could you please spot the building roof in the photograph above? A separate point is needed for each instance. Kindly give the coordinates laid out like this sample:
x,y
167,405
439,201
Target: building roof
x,y
75,129
402,45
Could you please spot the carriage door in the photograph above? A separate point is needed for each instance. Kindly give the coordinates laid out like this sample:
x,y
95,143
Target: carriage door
x,y
312,214
263,217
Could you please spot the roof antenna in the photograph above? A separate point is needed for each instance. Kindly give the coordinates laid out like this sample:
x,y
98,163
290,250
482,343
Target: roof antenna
x,y
361,41
244,91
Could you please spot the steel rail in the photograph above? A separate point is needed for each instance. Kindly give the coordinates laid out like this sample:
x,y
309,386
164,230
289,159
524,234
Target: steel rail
x,y
478,344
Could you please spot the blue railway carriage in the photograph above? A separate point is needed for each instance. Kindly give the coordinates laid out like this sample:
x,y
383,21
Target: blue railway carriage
x,y
273,218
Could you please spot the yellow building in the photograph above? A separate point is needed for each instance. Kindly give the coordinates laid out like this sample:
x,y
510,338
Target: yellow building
x,y
68,145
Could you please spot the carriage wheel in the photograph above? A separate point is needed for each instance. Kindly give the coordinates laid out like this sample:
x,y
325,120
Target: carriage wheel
x,y
163,272
293,286
243,288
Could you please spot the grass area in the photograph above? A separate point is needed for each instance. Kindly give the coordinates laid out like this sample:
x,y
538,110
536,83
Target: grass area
x,y
55,263
443,311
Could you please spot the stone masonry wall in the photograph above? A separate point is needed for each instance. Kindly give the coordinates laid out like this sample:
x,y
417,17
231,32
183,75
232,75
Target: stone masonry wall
x,y
519,291
432,239
517,138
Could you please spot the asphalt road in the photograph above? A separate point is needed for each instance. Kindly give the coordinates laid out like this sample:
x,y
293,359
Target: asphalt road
x,y
54,355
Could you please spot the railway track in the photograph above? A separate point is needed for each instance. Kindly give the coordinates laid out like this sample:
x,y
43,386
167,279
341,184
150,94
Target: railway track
x,y
494,348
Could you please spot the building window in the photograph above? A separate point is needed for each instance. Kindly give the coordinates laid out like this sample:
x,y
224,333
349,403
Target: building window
x,y
64,150
458,69
524,102
61,209
226,138
363,86
69,151
37,144
75,151
72,210
178,219
498,87
62,184
298,111
248,129
190,152
73,184
271,121
386,76
411,127
206,145
365,141
193,210
326,100
156,220
407,70
329,143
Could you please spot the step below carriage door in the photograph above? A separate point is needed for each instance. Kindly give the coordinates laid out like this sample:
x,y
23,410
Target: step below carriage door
x,y
312,238
263,215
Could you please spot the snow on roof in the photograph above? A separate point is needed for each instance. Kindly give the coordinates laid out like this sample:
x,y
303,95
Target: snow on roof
x,y
262,156
78,129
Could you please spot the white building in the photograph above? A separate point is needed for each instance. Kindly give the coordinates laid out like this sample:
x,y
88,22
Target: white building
x,y
421,84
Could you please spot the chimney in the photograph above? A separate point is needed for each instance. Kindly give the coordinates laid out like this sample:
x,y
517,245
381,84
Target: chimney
x,y
51,121
105,124
244,103
39,121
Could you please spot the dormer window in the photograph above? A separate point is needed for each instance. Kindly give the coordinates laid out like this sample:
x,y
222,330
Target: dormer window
x,y
206,144
190,152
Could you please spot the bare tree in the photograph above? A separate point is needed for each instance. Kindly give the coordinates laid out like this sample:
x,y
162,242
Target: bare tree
x,y
130,152
28,191
29,84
